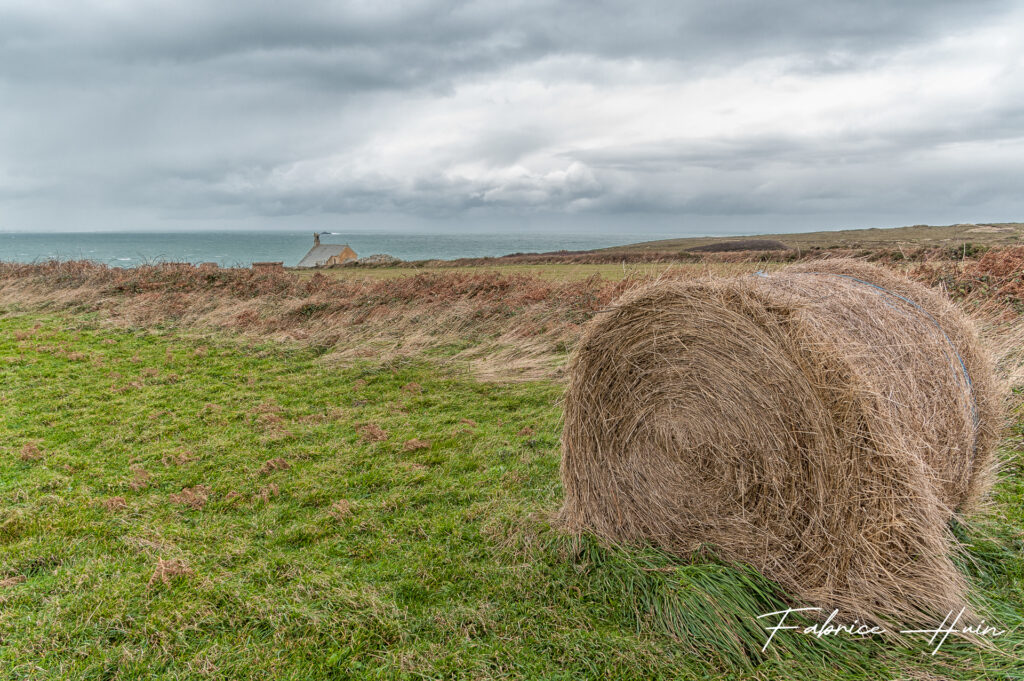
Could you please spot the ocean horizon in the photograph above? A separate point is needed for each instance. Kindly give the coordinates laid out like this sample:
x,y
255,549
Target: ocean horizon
x,y
242,248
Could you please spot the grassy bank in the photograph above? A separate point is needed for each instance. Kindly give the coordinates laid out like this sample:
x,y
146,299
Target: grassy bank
x,y
727,255
220,507
1000,234
553,271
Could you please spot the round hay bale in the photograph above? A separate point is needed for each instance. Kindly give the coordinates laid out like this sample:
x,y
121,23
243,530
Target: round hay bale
x,y
821,424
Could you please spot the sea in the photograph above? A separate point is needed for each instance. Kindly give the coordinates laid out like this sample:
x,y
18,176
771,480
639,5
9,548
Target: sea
x,y
240,249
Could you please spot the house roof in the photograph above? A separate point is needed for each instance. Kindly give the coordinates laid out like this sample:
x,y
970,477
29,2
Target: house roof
x,y
319,255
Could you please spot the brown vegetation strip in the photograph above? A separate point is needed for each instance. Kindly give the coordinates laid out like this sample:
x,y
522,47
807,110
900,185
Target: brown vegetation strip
x,y
514,326
352,318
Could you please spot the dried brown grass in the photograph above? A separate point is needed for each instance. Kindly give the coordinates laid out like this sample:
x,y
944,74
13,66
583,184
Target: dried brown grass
x,y
269,492
273,465
114,504
351,318
140,478
371,432
168,570
415,444
340,509
805,423
31,452
192,497
180,459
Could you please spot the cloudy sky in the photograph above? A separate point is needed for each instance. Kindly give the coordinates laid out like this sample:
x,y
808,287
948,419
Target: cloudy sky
x,y
677,116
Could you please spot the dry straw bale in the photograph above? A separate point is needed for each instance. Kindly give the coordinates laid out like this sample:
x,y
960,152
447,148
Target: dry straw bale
x,y
807,423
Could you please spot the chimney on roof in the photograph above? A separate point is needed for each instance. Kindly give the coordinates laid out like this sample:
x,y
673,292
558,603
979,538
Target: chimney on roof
x,y
316,238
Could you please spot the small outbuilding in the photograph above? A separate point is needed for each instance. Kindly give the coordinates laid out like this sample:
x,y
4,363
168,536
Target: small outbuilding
x,y
277,266
325,255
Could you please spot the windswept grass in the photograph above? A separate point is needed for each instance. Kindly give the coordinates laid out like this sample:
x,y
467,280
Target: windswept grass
x,y
226,508
508,323
553,271
481,313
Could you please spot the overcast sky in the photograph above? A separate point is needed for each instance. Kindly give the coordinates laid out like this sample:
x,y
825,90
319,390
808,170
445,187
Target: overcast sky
x,y
676,116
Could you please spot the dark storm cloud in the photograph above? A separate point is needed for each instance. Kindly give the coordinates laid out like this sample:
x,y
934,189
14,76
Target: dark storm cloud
x,y
185,110
406,43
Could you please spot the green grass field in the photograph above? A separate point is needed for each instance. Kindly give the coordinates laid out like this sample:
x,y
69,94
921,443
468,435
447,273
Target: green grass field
x,y
176,506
